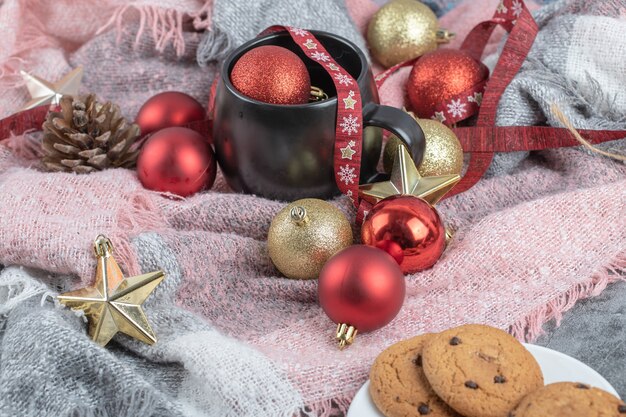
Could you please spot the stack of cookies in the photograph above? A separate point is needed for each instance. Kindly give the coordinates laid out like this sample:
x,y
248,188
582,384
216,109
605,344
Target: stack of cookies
x,y
475,371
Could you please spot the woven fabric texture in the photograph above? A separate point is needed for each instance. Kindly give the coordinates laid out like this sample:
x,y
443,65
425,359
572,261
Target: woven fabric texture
x,y
235,338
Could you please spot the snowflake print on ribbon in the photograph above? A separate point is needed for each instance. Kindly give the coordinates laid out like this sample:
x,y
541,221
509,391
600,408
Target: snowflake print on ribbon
x,y
343,79
456,108
320,56
349,125
298,32
517,8
309,44
346,174
476,98
439,116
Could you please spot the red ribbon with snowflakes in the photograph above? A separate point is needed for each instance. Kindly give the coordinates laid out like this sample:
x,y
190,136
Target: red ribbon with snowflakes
x,y
485,138
349,122
515,18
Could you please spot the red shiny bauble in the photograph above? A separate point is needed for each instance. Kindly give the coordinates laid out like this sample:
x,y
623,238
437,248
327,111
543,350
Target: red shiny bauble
x,y
272,74
168,109
361,286
439,76
176,160
407,224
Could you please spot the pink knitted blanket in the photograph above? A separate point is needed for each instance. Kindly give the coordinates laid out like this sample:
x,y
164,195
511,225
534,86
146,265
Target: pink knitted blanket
x,y
528,244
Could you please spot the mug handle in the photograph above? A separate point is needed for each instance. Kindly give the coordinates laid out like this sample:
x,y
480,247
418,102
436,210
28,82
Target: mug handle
x,y
400,124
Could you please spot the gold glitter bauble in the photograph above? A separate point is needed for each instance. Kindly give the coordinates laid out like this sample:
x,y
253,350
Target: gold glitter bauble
x,y
304,235
402,30
443,154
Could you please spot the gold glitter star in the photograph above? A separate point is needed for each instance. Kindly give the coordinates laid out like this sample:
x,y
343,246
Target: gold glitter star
x,y
310,44
45,92
113,304
439,116
348,152
349,102
406,180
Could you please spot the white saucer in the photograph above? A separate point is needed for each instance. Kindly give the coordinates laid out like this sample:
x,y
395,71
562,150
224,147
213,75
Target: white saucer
x,y
556,367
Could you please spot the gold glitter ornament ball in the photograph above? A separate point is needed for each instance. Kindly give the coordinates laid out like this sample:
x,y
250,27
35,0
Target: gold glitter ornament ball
x,y
443,154
304,235
402,30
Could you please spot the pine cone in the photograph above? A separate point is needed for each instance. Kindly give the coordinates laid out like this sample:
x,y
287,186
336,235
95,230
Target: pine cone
x,y
87,136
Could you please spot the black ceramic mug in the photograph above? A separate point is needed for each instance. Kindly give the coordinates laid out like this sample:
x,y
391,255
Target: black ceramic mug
x,y
285,152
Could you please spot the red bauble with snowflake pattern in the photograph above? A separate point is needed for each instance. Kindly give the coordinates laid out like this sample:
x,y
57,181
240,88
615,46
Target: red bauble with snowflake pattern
x,y
447,80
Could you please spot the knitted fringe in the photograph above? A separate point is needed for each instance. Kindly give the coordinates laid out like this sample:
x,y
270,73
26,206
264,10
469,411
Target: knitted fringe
x,y
214,46
15,288
531,326
166,24
336,407
202,19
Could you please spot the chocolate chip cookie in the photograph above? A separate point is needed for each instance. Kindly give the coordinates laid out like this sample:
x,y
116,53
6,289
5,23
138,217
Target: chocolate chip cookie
x,y
569,399
398,385
480,371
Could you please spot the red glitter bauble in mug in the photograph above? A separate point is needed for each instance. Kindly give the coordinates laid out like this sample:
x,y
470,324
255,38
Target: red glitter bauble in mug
x,y
168,109
361,287
439,76
272,74
176,160
408,224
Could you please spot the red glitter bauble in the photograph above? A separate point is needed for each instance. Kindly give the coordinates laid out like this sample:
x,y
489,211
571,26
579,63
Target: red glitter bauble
x,y
168,109
176,160
272,74
439,76
407,224
362,287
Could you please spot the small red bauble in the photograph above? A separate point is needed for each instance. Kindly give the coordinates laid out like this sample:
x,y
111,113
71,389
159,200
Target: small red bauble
x,y
439,76
407,224
272,74
361,287
176,160
168,109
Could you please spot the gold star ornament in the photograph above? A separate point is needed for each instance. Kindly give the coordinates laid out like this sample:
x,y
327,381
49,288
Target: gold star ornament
x,y
45,92
406,180
113,304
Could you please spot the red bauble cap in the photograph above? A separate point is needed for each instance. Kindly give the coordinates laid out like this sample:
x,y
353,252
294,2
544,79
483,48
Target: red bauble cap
x,y
168,109
439,76
272,74
409,229
361,287
176,160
